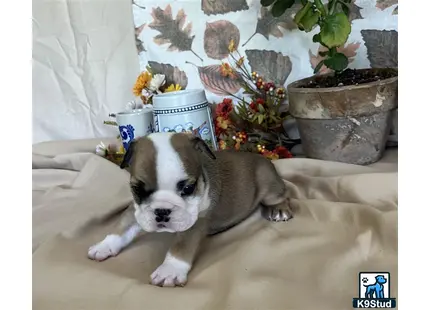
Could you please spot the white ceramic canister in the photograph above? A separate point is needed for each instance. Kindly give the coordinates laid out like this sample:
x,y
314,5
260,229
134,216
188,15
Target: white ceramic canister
x,y
185,111
134,124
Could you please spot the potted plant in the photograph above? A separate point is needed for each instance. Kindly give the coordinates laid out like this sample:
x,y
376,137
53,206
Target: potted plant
x,y
344,115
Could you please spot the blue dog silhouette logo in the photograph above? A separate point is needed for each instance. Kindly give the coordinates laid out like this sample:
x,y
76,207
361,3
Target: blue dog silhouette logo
x,y
374,291
127,135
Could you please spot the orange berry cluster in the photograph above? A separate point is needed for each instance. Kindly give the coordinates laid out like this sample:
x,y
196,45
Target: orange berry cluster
x,y
268,87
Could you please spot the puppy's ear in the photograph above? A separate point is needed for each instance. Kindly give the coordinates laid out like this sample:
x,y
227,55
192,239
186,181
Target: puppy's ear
x,y
201,146
128,155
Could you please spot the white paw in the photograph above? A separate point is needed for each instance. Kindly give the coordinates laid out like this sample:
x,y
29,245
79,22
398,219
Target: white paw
x,y
173,272
281,216
110,246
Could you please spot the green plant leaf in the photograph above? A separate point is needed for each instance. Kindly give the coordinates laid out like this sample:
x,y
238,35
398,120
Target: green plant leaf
x,y
338,62
309,20
318,67
254,118
260,119
335,30
281,6
332,51
261,108
323,54
302,12
266,2
320,6
274,119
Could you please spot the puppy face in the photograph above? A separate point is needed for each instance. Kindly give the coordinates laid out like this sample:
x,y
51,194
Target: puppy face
x,y
167,182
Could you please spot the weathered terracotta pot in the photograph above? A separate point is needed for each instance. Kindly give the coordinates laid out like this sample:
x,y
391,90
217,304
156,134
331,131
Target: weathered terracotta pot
x,y
347,124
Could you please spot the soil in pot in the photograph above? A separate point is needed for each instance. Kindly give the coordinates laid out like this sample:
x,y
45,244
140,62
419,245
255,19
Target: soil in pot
x,y
350,123
349,77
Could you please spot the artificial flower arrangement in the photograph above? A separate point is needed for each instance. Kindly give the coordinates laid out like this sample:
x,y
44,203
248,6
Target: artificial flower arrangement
x,y
255,123
146,86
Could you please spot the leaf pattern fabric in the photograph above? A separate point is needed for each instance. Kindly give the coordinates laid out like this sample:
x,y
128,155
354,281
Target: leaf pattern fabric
x,y
274,66
382,46
217,38
214,7
187,40
139,44
383,4
172,30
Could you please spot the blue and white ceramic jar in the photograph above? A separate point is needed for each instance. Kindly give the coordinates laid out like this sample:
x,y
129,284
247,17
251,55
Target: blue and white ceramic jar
x,y
134,124
185,111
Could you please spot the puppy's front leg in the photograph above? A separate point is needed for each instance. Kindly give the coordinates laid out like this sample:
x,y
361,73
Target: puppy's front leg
x,y
179,259
113,244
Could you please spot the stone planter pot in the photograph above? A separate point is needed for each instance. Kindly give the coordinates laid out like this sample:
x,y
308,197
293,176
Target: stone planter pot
x,y
346,124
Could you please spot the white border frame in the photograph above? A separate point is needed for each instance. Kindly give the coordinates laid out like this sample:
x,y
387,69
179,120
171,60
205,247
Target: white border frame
x,y
414,117
413,158
16,222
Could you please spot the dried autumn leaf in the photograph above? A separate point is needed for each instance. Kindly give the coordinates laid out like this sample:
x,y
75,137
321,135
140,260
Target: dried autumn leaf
x,y
383,4
354,12
381,47
268,25
273,66
217,38
213,7
217,84
171,30
350,51
139,42
173,74
138,5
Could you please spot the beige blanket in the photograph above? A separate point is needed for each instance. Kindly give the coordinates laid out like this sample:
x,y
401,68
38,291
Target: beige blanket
x,y
346,222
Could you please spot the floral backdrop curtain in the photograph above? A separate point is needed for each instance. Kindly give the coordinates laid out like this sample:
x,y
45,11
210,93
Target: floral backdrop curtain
x,y
188,39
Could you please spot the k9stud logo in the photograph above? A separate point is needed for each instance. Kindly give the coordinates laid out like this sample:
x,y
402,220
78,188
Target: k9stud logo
x,y
374,291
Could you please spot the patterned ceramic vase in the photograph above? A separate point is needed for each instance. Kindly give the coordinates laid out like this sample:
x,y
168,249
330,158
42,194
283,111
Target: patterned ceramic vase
x,y
135,123
185,111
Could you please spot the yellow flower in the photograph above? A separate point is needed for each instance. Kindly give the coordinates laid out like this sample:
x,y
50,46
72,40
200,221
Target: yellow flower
x,y
173,87
231,46
226,70
222,145
222,122
239,63
142,82
270,155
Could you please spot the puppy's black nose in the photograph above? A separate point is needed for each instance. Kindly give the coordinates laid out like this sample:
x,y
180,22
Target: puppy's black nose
x,y
162,215
162,212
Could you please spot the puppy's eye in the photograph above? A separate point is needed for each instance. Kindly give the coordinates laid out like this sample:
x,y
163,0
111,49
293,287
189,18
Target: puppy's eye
x,y
181,184
188,189
139,190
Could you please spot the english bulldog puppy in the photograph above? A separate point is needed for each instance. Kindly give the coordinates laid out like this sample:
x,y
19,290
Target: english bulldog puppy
x,y
180,186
